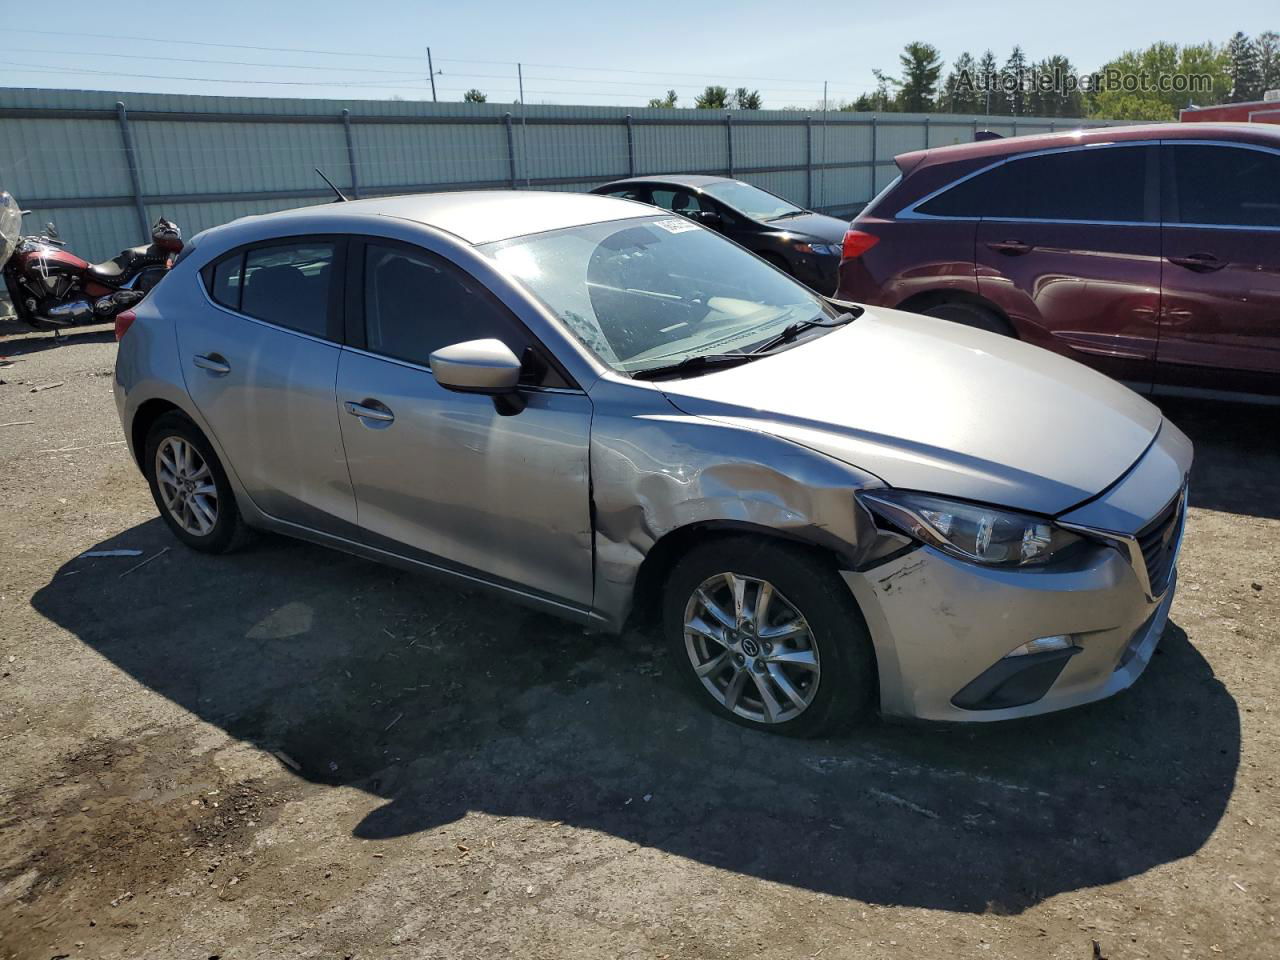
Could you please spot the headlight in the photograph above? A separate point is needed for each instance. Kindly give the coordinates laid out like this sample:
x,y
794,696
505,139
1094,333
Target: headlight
x,y
822,249
971,531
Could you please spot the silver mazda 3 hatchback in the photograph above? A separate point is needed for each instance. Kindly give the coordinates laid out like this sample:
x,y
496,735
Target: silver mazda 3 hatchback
x,y
599,410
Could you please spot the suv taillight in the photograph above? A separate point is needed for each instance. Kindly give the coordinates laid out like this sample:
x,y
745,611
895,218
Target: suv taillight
x,y
124,320
856,243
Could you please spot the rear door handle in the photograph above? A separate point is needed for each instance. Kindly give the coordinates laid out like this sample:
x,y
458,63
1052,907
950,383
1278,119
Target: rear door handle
x,y
1010,248
1199,262
215,363
370,410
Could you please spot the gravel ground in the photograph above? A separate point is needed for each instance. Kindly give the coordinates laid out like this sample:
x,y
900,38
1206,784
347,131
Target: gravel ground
x,y
288,752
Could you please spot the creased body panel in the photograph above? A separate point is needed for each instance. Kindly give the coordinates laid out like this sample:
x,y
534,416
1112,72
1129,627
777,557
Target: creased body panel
x,y
655,471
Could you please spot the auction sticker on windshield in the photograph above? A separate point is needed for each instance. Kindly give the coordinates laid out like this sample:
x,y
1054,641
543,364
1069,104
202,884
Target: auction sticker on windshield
x,y
676,225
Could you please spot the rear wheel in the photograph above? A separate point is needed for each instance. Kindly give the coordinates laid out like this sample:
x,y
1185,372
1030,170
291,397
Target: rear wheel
x,y
971,315
770,637
190,487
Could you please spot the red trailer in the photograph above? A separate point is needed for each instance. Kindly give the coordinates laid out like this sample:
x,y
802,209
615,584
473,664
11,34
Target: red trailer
x,y
1257,111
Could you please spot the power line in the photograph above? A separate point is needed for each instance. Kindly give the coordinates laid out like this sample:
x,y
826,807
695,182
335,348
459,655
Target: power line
x,y
35,68
232,63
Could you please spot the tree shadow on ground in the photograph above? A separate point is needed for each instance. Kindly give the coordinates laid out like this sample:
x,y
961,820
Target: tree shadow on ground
x,y
443,702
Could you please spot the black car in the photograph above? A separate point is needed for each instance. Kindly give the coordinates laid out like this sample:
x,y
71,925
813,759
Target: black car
x,y
804,244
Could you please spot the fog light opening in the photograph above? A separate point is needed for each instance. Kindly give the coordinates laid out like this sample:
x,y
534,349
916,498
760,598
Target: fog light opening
x,y
1061,641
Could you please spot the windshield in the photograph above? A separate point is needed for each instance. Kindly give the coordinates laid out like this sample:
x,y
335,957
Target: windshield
x,y
645,294
10,226
751,201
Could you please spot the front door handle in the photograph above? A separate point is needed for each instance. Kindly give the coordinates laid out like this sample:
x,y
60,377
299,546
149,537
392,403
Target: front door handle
x,y
1010,248
370,410
1199,262
215,363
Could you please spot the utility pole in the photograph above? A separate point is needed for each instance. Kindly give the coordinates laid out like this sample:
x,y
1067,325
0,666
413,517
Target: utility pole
x,y
524,128
822,171
431,70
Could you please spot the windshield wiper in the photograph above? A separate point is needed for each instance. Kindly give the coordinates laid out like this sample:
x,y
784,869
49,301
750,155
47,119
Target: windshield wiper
x,y
793,330
793,213
695,364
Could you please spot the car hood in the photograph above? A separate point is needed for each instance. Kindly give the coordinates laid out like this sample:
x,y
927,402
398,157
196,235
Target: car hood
x,y
934,406
816,225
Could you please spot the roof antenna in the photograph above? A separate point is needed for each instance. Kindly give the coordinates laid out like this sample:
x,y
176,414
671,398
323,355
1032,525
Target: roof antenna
x,y
342,197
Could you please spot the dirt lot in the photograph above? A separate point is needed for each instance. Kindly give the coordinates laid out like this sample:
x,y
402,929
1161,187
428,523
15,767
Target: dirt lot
x,y
292,753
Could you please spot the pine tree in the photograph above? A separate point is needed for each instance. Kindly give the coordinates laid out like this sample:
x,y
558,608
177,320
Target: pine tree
x,y
989,94
1268,47
921,67
745,99
1246,81
1015,69
961,92
712,98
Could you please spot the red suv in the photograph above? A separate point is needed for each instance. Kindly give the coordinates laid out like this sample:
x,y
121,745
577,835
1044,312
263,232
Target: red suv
x,y
1151,253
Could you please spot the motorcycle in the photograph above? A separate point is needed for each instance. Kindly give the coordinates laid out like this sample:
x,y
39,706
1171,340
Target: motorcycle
x,y
52,287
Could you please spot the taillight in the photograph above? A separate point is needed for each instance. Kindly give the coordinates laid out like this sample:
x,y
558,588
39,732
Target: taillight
x,y
856,243
124,320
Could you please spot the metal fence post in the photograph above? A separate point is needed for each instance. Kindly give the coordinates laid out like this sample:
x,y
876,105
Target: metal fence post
x,y
875,155
1015,128
351,153
135,178
808,162
511,149
728,139
975,128
631,148
926,133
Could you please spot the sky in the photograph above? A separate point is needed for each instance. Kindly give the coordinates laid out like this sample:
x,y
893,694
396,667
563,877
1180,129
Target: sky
x,y
585,53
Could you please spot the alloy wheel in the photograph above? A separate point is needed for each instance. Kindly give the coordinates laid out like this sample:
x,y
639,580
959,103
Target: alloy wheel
x,y
186,486
752,648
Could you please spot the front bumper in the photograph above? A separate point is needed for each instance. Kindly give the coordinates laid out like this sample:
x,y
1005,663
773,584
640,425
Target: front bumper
x,y
942,628
938,624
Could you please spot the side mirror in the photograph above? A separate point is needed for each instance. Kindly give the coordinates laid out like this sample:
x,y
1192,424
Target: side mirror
x,y
476,366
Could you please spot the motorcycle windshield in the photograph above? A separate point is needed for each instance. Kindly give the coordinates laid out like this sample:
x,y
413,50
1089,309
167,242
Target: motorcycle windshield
x,y
10,226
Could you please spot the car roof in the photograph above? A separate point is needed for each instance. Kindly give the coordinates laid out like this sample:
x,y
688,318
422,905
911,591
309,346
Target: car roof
x,y
997,148
478,216
694,180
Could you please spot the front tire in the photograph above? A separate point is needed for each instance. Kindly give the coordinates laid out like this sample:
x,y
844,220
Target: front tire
x,y
190,487
770,637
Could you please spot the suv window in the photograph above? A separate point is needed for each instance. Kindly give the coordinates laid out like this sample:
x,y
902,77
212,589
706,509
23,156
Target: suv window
x,y
282,283
1227,186
416,303
1103,184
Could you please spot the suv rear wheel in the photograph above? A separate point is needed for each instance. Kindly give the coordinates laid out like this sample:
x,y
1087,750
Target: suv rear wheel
x,y
971,315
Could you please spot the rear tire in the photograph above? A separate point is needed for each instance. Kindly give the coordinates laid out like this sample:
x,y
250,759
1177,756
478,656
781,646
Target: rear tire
x,y
804,669
190,487
971,315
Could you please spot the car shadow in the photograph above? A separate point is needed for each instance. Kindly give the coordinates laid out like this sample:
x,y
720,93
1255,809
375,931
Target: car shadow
x,y
1237,465
443,702
18,338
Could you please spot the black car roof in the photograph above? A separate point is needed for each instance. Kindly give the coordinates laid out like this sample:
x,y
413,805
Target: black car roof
x,y
694,180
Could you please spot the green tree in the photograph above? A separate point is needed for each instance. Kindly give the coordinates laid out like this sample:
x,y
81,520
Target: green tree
x,y
960,93
1161,60
713,98
668,101
1268,47
1014,73
474,96
745,99
918,88
988,71
1246,79
1059,98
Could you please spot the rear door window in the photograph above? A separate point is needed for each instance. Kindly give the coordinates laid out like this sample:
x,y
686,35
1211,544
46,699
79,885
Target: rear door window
x,y
678,200
1105,184
1224,186
288,284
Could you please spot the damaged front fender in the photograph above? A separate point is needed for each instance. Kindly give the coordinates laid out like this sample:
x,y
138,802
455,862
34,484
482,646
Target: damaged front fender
x,y
656,470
